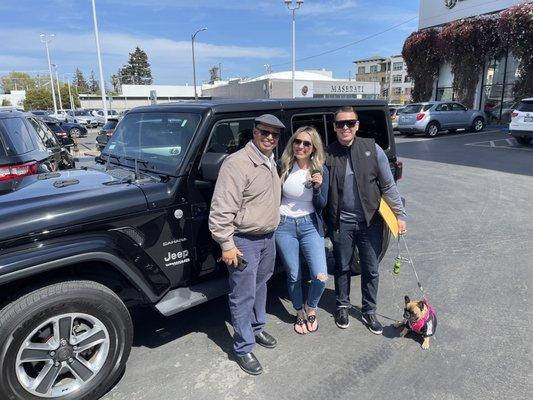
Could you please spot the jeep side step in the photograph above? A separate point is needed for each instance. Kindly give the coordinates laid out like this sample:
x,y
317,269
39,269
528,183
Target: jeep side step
x,y
183,298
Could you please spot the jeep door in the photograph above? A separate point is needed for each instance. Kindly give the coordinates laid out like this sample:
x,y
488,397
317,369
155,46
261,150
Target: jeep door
x,y
228,133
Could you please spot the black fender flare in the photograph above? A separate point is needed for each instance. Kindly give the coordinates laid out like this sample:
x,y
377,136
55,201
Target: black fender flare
x,y
112,248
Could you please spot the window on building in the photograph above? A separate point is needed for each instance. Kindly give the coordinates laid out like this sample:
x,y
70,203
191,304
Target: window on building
x,y
397,78
397,66
407,79
361,70
445,94
397,91
373,68
497,98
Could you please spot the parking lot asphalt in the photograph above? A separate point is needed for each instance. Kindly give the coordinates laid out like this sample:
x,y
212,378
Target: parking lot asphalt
x,y
470,237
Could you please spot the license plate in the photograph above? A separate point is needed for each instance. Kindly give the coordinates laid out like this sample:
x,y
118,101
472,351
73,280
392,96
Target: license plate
x,y
528,119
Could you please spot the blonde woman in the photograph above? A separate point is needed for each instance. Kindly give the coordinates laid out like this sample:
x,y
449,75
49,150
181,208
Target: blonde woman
x,y
305,182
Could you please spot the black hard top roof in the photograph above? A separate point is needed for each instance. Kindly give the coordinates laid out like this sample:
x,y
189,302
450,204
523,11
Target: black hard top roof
x,y
234,105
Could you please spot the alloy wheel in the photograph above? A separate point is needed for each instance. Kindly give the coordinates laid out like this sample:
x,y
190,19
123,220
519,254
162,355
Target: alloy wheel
x,y
62,355
478,125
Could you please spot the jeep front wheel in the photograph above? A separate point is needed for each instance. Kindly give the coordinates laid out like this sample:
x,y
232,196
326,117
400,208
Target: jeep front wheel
x,y
64,341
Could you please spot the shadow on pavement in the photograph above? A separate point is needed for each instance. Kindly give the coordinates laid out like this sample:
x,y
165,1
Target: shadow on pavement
x,y
455,149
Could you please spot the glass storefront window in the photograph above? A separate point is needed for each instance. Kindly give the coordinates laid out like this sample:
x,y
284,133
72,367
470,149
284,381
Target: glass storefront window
x,y
495,72
445,94
512,69
491,100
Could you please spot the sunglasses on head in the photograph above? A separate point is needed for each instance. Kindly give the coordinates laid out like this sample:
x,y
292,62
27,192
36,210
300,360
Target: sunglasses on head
x,y
298,142
350,123
266,133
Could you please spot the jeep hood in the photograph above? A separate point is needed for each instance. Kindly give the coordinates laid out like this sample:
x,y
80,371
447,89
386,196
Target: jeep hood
x,y
65,199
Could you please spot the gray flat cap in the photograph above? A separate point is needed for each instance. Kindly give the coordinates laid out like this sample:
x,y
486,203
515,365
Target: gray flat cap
x,y
269,119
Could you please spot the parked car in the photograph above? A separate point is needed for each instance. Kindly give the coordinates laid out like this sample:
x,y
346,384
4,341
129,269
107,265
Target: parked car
x,y
521,126
40,113
90,243
63,115
84,117
27,148
394,115
433,117
105,133
73,129
99,115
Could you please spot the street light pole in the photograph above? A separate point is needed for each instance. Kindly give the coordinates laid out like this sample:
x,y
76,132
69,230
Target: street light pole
x,y
193,36
58,90
102,83
45,38
293,8
72,107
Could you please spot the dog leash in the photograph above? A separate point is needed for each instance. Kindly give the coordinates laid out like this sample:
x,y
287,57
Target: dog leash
x,y
398,262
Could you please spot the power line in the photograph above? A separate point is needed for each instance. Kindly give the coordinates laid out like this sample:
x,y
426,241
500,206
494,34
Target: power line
x,y
379,33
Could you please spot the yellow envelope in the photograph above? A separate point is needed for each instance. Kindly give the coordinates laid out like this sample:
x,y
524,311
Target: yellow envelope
x,y
389,217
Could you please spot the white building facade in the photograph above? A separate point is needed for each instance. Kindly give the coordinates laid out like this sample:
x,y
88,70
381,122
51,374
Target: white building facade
x,y
308,84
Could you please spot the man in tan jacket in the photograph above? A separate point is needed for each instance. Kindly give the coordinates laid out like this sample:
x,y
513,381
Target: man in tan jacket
x,y
244,215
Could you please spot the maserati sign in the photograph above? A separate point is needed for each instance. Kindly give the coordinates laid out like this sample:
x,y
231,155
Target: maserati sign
x,y
451,3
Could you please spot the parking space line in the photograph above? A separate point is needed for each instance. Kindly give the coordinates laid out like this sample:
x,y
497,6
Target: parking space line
x,y
511,144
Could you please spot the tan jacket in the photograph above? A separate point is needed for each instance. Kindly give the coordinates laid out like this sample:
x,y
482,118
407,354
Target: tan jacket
x,y
246,198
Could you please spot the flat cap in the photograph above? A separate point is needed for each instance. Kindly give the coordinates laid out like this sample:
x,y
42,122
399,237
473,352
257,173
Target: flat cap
x,y
269,119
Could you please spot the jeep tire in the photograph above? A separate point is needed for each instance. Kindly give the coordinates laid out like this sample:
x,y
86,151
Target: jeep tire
x,y
67,341
432,129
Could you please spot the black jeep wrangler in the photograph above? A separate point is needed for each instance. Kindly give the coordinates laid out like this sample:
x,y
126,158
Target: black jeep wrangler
x,y
78,248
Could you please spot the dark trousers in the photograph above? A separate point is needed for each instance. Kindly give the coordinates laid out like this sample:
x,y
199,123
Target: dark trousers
x,y
368,241
248,289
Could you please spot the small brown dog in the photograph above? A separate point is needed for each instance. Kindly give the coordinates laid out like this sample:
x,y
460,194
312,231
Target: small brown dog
x,y
418,317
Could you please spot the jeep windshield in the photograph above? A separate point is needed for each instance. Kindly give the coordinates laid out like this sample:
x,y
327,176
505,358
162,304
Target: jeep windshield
x,y
157,140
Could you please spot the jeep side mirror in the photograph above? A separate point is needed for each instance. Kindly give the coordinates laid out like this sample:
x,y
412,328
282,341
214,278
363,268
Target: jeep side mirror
x,y
210,165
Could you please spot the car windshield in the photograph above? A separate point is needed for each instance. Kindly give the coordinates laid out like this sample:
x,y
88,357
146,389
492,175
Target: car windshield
x,y
526,106
81,113
416,108
159,140
110,124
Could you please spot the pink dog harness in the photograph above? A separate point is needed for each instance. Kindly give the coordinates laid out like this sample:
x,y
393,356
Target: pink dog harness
x,y
425,326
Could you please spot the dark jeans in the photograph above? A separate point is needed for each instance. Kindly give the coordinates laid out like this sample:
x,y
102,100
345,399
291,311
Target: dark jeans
x,y
248,289
368,241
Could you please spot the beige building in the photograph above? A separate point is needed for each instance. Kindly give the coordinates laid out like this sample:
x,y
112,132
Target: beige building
x,y
390,73
308,84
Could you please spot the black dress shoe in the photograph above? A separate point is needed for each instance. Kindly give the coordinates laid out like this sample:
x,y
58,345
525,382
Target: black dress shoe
x,y
249,364
265,340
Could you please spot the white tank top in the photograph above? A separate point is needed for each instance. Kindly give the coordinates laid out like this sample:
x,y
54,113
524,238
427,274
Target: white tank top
x,y
296,199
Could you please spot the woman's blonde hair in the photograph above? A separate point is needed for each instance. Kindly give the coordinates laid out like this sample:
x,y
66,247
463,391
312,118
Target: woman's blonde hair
x,y
318,155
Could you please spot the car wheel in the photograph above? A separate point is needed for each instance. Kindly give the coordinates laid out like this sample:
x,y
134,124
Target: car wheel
x,y
75,132
432,129
478,125
65,341
523,140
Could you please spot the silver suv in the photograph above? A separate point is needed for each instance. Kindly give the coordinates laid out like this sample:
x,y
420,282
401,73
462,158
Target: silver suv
x,y
432,117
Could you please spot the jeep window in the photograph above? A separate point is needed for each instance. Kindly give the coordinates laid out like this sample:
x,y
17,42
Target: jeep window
x,y
322,122
20,136
228,136
160,138
458,107
416,108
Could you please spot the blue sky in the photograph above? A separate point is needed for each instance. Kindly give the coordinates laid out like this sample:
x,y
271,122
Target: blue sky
x,y
242,35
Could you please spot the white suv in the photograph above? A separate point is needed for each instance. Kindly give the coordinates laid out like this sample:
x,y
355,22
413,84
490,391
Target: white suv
x,y
521,126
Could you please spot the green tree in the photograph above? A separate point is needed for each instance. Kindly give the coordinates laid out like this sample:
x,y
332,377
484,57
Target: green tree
x,y
17,81
137,71
94,88
38,99
65,98
6,102
79,82
214,74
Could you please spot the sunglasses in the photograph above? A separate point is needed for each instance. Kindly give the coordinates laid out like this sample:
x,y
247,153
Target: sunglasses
x,y
298,142
350,123
275,135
